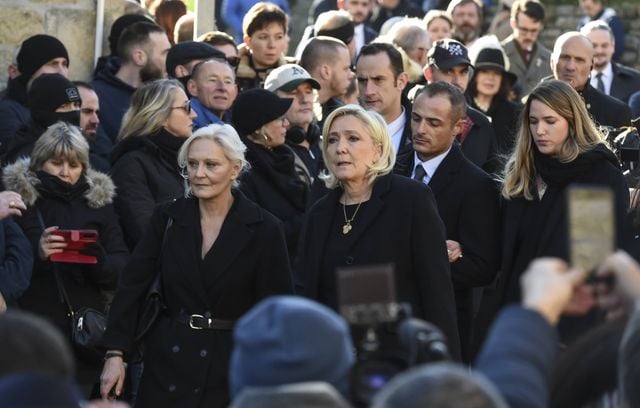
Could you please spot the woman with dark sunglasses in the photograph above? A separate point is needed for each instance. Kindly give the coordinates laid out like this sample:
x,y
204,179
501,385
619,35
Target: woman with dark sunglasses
x,y
144,162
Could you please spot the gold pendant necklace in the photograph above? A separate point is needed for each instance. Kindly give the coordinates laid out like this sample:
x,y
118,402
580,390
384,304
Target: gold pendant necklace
x,y
347,221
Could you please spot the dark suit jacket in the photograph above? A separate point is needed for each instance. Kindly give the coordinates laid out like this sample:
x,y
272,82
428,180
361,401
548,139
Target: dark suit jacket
x,y
468,205
625,82
247,262
605,109
401,226
369,34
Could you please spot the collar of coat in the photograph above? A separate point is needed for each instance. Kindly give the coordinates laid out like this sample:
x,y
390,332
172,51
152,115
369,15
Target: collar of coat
x,y
245,66
17,177
243,211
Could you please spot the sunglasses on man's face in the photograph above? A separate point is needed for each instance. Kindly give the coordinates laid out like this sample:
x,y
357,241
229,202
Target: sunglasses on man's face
x,y
186,107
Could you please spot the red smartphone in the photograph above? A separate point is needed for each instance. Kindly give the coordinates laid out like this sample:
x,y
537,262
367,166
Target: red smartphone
x,y
77,241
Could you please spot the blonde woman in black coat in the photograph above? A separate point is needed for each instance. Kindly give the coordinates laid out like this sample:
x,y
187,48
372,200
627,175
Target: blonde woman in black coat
x,y
373,217
222,254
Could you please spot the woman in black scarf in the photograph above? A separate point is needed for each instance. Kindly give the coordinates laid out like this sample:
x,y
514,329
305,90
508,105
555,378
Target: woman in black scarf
x,y
61,191
557,145
272,182
145,160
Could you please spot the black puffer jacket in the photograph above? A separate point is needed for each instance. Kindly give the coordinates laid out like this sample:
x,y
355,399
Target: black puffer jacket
x,y
145,174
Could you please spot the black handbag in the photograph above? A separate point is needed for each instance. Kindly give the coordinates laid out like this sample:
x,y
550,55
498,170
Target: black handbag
x,y
87,324
153,304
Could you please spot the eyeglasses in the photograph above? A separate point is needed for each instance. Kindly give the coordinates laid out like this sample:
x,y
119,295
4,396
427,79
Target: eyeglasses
x,y
186,107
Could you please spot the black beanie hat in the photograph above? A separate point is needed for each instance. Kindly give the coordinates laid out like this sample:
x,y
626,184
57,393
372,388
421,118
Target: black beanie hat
x,y
119,26
50,91
255,108
38,50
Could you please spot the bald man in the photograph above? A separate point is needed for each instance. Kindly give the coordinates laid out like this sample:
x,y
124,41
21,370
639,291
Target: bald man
x,y
571,61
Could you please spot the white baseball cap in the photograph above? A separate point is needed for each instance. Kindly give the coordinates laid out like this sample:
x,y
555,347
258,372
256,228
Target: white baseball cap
x,y
287,78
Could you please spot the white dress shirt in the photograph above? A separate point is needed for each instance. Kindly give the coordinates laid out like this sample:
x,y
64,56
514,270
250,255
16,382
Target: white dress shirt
x,y
359,36
395,129
607,78
430,166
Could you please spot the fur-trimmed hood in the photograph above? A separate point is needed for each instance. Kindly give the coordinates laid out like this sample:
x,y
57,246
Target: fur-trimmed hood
x,y
17,177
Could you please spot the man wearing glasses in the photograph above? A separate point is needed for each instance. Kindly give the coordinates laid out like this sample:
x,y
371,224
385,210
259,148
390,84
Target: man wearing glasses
x,y
528,58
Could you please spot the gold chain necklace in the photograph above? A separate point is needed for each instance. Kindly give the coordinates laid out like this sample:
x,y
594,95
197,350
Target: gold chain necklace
x,y
347,221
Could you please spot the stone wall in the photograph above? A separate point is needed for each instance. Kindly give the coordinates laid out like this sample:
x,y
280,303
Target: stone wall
x,y
72,21
563,18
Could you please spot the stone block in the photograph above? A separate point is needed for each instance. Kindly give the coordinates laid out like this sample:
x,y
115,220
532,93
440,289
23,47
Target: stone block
x,y
76,29
6,55
18,24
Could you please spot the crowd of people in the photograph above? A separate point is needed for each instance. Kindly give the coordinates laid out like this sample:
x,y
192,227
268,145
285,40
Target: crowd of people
x,y
242,180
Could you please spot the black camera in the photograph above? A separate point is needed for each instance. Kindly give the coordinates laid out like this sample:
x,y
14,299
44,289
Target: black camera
x,y
387,338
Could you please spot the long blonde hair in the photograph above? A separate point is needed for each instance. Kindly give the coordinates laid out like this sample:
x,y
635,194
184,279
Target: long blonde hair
x,y
519,173
150,107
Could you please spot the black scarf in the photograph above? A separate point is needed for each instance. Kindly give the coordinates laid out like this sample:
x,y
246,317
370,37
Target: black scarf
x,y
168,145
278,166
542,227
554,172
53,186
17,90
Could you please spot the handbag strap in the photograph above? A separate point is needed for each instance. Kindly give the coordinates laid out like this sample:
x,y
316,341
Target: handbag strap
x,y
62,292
156,278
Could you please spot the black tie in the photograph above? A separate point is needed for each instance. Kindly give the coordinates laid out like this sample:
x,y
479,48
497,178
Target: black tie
x,y
600,82
420,173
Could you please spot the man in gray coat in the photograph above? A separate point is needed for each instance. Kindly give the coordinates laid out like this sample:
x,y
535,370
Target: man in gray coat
x,y
528,58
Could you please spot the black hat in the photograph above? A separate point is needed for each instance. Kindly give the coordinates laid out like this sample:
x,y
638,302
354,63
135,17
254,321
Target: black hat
x,y
447,53
50,91
255,108
38,50
119,26
493,59
187,51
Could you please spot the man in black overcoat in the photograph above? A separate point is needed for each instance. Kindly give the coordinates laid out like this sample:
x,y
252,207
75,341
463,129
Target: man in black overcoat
x,y
466,196
571,62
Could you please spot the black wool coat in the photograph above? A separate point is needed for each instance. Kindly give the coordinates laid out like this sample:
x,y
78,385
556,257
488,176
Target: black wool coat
x,y
400,226
184,367
273,184
551,240
479,146
144,176
468,204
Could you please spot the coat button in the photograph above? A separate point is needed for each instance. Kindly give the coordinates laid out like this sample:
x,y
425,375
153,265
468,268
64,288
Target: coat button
x,y
175,348
207,315
203,353
348,260
172,388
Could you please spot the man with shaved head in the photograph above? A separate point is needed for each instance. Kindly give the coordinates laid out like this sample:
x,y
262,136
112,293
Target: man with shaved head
x,y
571,62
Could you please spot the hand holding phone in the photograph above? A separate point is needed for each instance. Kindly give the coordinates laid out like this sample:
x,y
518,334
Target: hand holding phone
x,y
76,242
